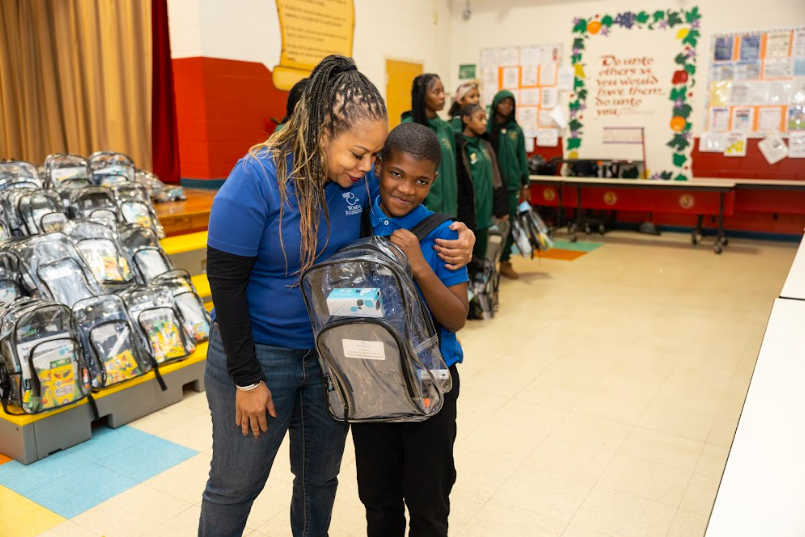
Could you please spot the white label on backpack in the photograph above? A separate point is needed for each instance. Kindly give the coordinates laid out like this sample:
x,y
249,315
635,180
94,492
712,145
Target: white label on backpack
x,y
364,350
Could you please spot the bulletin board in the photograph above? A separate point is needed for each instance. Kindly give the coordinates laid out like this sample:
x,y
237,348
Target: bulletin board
x,y
535,77
757,83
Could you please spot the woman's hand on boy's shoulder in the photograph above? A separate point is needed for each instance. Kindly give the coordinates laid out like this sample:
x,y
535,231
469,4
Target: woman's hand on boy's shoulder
x,y
409,244
456,253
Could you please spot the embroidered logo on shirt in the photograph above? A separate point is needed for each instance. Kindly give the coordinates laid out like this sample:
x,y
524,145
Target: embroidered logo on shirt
x,y
473,158
353,204
513,136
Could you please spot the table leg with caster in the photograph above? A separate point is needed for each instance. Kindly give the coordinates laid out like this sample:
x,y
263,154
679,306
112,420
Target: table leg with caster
x,y
698,233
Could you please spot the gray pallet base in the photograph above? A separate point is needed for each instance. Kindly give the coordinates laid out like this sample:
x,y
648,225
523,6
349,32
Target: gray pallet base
x,y
194,262
37,440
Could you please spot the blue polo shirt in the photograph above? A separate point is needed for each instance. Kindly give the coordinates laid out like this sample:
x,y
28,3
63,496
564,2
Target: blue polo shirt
x,y
244,221
383,226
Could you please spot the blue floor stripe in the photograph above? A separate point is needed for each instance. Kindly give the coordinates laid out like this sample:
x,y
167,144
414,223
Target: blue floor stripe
x,y
112,461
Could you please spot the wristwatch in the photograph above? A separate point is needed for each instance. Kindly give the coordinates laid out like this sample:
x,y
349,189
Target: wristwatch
x,y
248,388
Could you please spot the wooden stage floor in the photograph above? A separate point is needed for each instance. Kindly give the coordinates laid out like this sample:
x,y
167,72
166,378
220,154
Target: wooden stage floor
x,y
179,217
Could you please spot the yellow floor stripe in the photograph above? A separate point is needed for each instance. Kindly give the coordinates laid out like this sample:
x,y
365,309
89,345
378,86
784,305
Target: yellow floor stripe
x,y
23,518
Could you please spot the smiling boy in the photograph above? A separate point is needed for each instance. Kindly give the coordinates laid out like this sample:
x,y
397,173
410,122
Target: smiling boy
x,y
411,464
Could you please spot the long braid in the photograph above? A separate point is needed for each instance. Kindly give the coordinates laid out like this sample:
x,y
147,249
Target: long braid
x,y
336,98
419,88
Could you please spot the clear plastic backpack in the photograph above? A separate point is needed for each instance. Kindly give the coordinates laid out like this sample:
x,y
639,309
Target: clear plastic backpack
x,y
10,198
99,244
64,171
113,348
133,209
538,232
11,287
196,319
42,367
53,267
376,340
160,323
108,168
143,249
93,202
18,171
41,211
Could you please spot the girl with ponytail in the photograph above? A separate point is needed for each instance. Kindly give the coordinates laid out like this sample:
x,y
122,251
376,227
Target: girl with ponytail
x,y
294,200
427,99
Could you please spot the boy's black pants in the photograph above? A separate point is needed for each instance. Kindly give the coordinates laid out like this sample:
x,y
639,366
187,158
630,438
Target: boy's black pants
x,y
411,462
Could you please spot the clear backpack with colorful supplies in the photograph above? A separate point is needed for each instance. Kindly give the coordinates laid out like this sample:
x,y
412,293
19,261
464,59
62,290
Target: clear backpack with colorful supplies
x,y
143,249
42,367
11,287
10,197
196,319
134,209
377,343
113,347
160,323
93,202
64,171
99,244
41,211
53,268
108,168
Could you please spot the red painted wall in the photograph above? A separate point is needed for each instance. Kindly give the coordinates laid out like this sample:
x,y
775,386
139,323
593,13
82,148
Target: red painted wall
x,y
223,108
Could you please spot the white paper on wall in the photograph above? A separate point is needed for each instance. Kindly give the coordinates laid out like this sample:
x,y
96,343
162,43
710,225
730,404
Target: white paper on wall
x,y
509,57
773,148
743,119
529,97
545,120
530,75
511,78
529,144
559,117
548,137
530,55
549,97
719,119
777,44
769,119
779,92
796,145
565,78
736,145
777,68
547,74
713,142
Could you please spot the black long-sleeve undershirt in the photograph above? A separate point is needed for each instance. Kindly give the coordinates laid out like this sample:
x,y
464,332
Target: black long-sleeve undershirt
x,y
229,276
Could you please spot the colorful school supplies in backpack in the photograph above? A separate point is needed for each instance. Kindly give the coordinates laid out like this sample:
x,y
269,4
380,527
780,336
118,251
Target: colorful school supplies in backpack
x,y
143,249
376,340
152,310
98,242
53,268
195,318
112,346
41,363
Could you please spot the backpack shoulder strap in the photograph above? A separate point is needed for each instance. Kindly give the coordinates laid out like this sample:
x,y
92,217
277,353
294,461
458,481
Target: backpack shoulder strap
x,y
430,223
366,223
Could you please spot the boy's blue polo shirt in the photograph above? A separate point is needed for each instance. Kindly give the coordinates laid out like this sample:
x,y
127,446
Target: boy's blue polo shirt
x,y
244,221
383,226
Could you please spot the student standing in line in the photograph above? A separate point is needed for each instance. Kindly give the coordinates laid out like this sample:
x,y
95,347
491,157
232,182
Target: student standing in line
x,y
467,93
411,464
481,193
508,140
291,202
427,99
294,95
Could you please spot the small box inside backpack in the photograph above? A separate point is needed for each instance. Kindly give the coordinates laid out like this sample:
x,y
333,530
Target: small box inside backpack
x,y
355,302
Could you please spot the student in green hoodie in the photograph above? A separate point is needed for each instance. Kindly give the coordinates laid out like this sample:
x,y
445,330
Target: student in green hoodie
x,y
481,192
467,93
508,141
427,99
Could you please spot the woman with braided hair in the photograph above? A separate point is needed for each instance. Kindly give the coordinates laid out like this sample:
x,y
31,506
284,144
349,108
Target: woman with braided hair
x,y
427,99
291,202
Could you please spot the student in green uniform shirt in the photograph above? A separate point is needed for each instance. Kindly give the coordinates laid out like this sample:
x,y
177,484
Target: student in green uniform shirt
x,y
508,140
427,98
467,93
481,193
294,95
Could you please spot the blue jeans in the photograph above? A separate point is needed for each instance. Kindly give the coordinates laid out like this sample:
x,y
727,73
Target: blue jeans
x,y
241,465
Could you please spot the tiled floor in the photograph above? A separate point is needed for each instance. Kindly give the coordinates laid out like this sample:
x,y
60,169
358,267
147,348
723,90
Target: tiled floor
x,y
601,401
